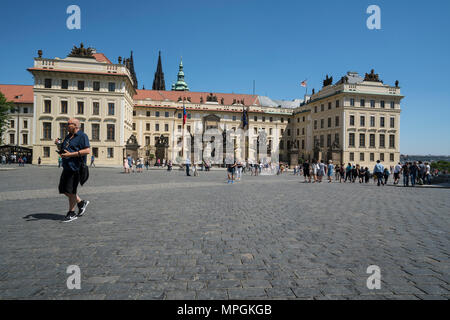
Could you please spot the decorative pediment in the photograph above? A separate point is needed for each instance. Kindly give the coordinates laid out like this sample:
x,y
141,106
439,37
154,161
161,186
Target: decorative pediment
x,y
162,141
132,141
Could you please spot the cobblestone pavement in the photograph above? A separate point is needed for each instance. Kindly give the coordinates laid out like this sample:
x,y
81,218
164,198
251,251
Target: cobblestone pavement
x,y
161,235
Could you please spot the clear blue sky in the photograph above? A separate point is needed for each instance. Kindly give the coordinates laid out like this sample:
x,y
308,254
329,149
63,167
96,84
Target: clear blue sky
x,y
227,44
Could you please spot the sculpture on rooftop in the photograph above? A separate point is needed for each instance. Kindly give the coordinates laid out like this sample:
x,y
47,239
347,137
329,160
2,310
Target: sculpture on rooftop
x,y
372,77
327,81
81,52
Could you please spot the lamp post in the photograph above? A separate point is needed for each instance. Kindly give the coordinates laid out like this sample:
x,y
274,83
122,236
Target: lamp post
x,y
18,118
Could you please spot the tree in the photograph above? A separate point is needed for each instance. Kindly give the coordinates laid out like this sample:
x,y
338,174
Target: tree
x,y
5,108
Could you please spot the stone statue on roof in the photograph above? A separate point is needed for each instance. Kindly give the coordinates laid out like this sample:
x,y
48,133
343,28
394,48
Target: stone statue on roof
x,y
372,76
81,52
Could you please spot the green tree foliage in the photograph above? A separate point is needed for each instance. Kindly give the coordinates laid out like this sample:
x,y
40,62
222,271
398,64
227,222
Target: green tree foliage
x,y
441,165
5,108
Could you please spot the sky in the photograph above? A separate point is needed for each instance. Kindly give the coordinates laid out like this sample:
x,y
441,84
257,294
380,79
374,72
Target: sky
x,y
226,45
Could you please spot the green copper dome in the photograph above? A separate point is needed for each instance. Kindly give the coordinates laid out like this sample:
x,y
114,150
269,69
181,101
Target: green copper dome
x,y
180,85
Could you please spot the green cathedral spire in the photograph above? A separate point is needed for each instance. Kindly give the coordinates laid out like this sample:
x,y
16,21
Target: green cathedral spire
x,y
180,85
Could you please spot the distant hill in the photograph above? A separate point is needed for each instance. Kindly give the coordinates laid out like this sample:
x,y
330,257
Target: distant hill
x,y
423,158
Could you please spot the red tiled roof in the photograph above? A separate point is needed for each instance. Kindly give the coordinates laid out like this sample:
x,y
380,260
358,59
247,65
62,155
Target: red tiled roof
x,y
100,57
195,96
17,93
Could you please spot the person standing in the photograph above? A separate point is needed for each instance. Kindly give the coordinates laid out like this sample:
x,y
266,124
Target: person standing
x,y
306,171
126,167
92,161
330,171
378,170
405,172
386,175
427,176
397,170
413,170
76,147
188,164
39,161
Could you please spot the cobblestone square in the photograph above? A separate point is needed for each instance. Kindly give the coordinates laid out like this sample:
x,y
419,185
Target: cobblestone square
x,y
163,235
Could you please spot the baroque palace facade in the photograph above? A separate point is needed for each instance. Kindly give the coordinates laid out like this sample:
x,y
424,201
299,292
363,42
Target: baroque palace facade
x,y
355,120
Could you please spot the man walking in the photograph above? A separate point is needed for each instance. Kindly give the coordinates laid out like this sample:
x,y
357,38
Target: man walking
x,y
378,171
92,161
75,149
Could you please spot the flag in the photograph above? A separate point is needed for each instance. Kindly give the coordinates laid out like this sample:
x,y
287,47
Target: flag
x,y
184,114
303,84
244,118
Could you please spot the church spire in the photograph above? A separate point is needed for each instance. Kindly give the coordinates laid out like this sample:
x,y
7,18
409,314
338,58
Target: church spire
x,y
133,73
158,82
180,85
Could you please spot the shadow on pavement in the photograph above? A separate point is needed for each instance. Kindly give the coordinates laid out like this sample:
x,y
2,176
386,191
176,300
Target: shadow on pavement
x,y
44,216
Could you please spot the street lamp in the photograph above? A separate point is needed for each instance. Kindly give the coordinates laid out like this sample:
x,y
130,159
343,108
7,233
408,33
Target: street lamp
x,y
18,115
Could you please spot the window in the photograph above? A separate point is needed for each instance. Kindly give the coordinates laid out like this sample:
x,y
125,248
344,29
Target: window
x,y
96,86
80,85
47,106
361,156
156,113
322,141
372,140
372,121
315,124
188,115
11,124
362,140
289,120
25,124
25,138
382,104
392,104
180,115
263,118
303,131
134,126
363,103
329,122
336,122
111,86
382,141
282,120
47,127
271,119
282,131
337,103
298,132
381,156
234,118
315,109
95,131
351,139
270,131
134,113
289,132
255,118
63,106
148,114
95,152
147,140
179,128
328,140
352,156
362,121
64,84
336,138
298,120
11,138
392,122
166,114
63,130
166,127
352,120
82,126
110,132
110,153
391,141
329,105
304,119
352,102
25,110
372,156
255,130
391,157
156,126
48,83
96,108
372,103
303,144
322,107
80,105
322,121
110,109
382,122
46,152
147,126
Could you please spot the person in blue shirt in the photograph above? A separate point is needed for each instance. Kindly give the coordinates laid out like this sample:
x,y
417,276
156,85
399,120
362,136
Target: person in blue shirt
x,y
378,170
75,149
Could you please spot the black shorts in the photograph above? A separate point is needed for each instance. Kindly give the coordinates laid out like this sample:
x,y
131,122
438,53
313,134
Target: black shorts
x,y
306,173
69,181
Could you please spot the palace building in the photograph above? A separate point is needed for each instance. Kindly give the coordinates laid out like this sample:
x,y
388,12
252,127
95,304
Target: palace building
x,y
356,119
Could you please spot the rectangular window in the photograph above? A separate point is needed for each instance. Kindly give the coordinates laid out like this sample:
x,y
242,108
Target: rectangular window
x,y
80,108
352,120
382,104
282,120
321,123
134,113
303,144
336,138
179,129
156,126
361,156
95,152
11,138
329,122
147,140
46,152
180,115
315,124
82,126
110,132
298,131
391,141
322,138
391,157
392,104
337,103
392,122
352,156
96,108
271,119
25,124
111,109
363,103
255,130
263,118
372,121
80,85
166,114
47,127
64,106
270,131
48,83
362,121
11,124
64,84
315,109
255,118
63,130
96,131
134,126
372,156
322,107
362,140
372,140
147,126
25,138
329,105
47,106
289,132
351,139
382,141
166,127
25,110
110,153
336,122
188,115
148,114
382,122
156,113
352,102
372,103
381,156
328,140
96,86
111,86
303,131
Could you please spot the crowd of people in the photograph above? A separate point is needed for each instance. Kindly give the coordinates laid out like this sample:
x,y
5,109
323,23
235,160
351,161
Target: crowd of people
x,y
12,158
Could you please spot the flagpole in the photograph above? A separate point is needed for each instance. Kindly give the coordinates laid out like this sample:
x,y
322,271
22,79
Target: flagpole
x,y
182,144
